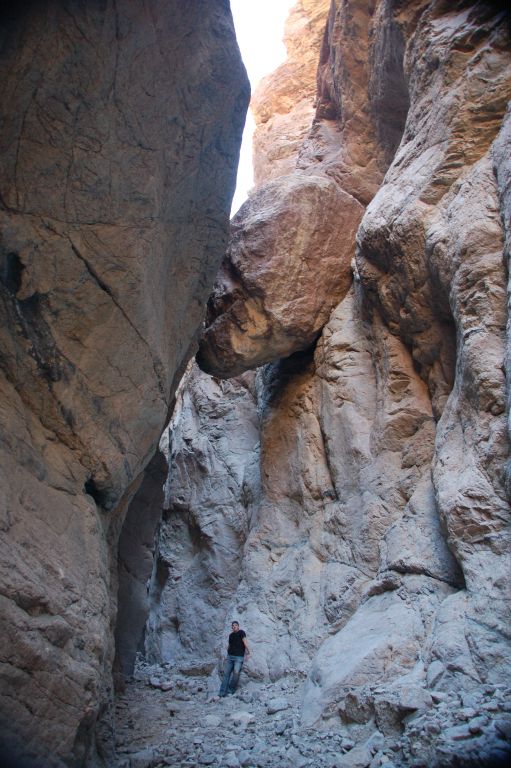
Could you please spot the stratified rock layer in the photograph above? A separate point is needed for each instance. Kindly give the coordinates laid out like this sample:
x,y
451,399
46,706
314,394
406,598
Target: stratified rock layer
x,y
119,142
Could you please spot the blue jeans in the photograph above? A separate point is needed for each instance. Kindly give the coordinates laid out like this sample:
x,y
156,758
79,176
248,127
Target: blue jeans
x,y
232,669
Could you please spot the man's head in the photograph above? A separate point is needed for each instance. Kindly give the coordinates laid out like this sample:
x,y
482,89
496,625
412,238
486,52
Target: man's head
x,y
235,626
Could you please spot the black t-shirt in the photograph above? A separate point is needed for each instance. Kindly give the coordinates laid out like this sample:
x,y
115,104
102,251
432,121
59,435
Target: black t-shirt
x,y
236,646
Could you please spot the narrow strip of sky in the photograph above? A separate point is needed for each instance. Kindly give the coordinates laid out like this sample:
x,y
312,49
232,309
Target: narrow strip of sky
x,y
259,28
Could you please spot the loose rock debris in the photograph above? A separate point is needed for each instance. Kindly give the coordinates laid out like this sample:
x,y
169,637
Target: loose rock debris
x,y
165,718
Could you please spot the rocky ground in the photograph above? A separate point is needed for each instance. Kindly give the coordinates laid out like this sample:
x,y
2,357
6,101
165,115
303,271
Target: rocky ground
x,y
169,718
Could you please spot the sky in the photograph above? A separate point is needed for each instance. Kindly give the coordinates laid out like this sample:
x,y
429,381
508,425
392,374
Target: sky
x,y
259,29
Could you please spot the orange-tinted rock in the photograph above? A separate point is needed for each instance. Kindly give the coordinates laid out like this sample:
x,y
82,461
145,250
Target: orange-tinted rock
x,y
284,102
362,98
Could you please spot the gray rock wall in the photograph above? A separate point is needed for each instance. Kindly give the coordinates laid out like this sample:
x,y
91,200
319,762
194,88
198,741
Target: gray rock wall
x,y
377,561
212,487
118,150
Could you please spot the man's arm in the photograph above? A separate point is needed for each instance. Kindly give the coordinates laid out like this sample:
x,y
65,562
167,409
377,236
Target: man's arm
x,y
247,649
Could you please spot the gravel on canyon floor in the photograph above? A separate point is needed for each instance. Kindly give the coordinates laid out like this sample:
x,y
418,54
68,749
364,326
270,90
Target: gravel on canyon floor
x,y
166,717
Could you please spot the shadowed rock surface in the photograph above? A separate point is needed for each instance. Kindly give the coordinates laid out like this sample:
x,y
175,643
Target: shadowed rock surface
x,y
119,144
205,524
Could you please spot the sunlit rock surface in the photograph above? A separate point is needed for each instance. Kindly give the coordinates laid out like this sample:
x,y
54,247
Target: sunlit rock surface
x,y
119,143
283,103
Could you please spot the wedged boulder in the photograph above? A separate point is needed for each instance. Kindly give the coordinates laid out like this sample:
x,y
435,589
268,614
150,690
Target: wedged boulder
x,y
287,266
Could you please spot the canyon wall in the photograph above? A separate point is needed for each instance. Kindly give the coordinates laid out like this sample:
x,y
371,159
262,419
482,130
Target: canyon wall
x,y
369,278
119,145
283,103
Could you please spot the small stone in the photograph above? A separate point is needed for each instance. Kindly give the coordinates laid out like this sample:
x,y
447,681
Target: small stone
x,y
466,714
470,699
376,742
296,758
358,757
143,759
246,697
242,717
231,760
477,724
212,720
503,727
435,671
414,697
457,732
277,705
232,747
207,759
155,682
244,757
182,696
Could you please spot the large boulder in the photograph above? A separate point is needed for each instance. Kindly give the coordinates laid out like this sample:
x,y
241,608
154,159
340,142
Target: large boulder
x,y
288,264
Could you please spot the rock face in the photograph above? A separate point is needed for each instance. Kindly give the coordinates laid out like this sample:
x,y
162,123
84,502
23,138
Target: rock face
x,y
283,103
377,559
119,146
205,524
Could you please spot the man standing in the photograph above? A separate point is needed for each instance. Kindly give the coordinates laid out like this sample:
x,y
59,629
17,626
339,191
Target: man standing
x,y
236,652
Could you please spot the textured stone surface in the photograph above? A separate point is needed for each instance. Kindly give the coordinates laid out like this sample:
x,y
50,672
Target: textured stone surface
x,y
431,258
119,140
283,103
135,564
362,97
177,728
377,559
287,266
205,522
349,503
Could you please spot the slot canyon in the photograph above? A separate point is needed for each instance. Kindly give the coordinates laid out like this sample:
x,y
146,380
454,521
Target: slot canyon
x,y
297,418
